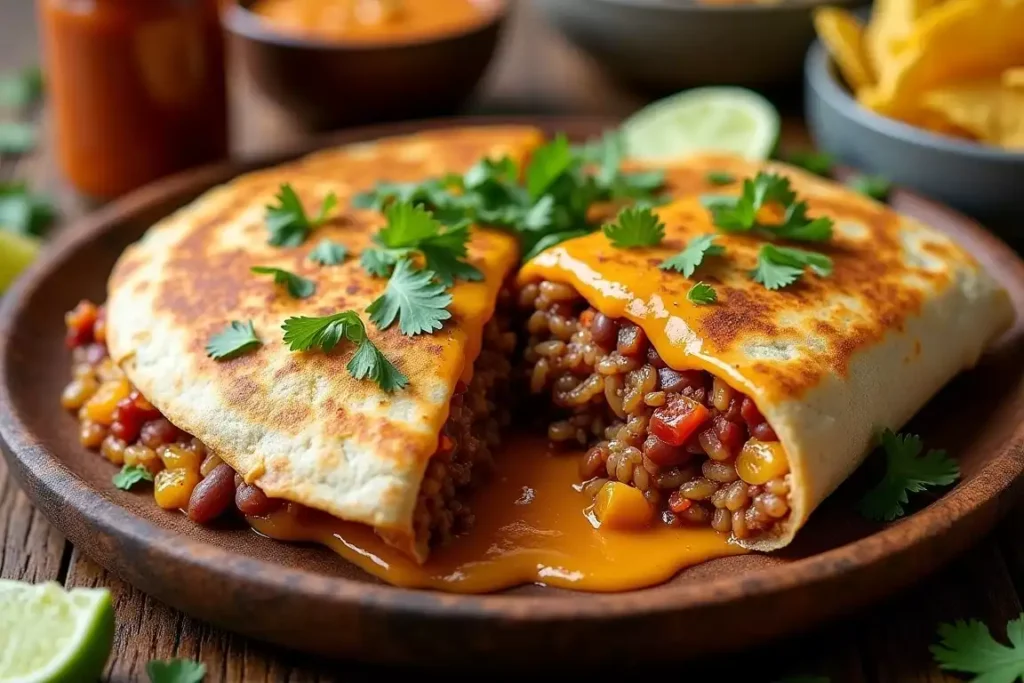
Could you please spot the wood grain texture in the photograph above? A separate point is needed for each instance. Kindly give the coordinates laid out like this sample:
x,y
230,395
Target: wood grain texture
x,y
535,72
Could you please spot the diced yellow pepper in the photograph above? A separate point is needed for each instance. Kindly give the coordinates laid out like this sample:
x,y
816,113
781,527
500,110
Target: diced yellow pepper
x,y
761,461
619,506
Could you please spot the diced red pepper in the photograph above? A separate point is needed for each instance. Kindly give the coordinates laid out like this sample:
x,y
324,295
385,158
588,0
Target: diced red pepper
x,y
677,421
678,504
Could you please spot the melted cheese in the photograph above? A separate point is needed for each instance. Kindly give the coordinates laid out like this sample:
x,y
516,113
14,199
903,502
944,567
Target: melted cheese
x,y
531,526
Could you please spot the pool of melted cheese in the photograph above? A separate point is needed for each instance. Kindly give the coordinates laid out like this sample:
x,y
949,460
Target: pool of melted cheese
x,y
532,526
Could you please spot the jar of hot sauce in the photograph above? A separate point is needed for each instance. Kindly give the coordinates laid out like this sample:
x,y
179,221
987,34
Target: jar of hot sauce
x,y
137,89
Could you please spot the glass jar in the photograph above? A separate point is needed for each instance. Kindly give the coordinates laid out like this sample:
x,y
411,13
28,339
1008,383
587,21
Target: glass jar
x,y
137,89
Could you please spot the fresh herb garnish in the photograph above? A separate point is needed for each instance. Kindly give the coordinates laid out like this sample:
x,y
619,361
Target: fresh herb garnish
x,y
236,339
968,647
779,267
549,163
412,229
818,163
720,178
635,227
906,471
414,299
687,261
328,253
16,137
21,90
874,186
702,294
130,475
304,334
175,671
23,211
297,286
768,191
288,223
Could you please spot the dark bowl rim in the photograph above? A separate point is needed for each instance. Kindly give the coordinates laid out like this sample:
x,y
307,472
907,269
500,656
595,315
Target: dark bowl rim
x,y
239,20
820,73
696,7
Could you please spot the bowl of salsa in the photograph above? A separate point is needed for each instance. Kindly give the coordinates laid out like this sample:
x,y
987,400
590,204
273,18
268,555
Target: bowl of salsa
x,y
333,63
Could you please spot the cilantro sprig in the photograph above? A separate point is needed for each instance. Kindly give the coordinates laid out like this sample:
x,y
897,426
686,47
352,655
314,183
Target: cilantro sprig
x,y
968,647
325,333
906,471
779,267
287,221
130,475
689,259
635,227
414,299
298,287
769,191
175,671
702,294
328,253
237,338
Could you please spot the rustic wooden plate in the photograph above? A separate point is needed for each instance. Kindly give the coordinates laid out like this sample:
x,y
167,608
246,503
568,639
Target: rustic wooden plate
x,y
307,598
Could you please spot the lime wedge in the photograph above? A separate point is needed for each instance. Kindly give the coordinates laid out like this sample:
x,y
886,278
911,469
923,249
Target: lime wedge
x,y
16,252
49,635
712,119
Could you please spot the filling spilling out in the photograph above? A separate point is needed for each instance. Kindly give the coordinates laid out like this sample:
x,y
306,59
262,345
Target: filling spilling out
x,y
661,448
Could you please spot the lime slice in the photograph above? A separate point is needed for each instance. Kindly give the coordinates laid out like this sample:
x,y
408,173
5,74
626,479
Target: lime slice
x,y
16,252
713,119
49,635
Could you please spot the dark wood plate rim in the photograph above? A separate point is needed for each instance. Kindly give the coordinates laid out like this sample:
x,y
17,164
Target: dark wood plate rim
x,y
50,478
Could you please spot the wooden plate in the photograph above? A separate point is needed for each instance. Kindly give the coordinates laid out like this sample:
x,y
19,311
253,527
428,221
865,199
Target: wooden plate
x,y
307,598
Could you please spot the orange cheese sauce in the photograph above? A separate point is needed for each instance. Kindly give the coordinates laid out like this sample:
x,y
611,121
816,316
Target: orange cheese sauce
x,y
532,526
375,20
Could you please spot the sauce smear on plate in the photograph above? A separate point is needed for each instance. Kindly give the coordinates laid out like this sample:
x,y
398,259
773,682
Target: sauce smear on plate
x,y
531,527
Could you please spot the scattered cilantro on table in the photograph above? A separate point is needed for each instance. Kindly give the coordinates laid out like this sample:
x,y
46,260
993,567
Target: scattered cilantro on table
x,y
130,475
328,253
414,299
23,211
689,259
906,471
175,671
968,647
237,338
779,267
702,294
635,227
298,287
287,221
325,333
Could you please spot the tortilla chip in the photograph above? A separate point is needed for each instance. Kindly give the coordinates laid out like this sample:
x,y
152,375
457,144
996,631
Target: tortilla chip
x,y
957,41
892,21
1014,77
988,109
843,35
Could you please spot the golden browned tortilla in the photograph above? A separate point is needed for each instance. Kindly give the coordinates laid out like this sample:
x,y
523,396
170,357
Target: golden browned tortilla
x,y
297,424
829,361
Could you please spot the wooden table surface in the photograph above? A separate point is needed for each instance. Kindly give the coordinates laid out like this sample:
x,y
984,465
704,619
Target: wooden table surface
x,y
535,72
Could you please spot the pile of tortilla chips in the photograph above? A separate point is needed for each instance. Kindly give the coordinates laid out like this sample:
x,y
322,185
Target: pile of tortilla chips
x,y
955,67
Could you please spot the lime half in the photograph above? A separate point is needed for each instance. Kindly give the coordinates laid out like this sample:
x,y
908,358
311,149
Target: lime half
x,y
713,119
49,635
16,252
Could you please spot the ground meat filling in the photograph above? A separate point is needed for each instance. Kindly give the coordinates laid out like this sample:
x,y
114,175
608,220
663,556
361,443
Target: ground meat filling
x,y
700,452
119,423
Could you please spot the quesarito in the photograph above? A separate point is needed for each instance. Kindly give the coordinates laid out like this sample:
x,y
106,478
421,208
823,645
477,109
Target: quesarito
x,y
736,404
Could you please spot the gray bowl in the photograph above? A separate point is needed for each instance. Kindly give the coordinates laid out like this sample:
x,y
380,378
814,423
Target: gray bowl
x,y
980,180
669,45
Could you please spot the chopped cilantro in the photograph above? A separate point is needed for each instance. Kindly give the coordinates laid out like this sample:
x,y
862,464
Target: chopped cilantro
x,y
548,164
768,189
288,223
874,186
968,647
234,340
818,163
702,294
328,253
297,286
906,471
779,267
130,475
414,299
635,227
687,261
720,178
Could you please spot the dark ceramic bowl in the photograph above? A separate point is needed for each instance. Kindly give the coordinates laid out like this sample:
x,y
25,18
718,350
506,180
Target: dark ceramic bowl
x,y
979,179
668,45
327,84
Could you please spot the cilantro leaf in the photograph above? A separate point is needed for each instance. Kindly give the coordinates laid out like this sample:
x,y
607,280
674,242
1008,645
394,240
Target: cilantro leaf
x,y
287,221
968,647
414,299
551,239
413,228
702,294
779,267
548,163
298,287
741,214
874,186
328,253
379,262
445,255
175,671
635,227
304,334
407,225
234,340
906,471
23,211
818,163
687,261
22,89
130,475
17,138
720,178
